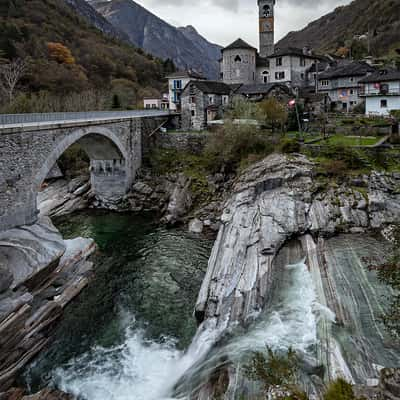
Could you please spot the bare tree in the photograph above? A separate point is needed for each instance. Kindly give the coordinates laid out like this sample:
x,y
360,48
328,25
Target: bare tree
x,y
10,74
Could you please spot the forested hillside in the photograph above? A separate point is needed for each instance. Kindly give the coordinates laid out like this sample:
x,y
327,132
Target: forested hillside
x,y
68,63
338,29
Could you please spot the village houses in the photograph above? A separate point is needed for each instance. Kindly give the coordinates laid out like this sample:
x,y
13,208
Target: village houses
x,y
328,83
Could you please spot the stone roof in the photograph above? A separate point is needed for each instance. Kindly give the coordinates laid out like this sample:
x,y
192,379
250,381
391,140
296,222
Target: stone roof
x,y
211,87
355,68
295,51
239,44
383,75
261,88
185,74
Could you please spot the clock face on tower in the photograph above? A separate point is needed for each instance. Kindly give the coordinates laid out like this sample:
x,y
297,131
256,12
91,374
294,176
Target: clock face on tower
x,y
266,25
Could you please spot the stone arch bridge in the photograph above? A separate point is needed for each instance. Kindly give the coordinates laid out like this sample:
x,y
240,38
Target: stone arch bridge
x,y
31,144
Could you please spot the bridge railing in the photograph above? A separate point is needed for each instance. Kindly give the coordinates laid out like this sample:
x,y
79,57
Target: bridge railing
x,y
16,119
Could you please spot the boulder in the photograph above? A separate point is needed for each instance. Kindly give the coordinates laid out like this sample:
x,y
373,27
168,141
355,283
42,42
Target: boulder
x,y
196,226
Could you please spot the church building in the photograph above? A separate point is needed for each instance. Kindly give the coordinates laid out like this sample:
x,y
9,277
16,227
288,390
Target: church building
x,y
241,63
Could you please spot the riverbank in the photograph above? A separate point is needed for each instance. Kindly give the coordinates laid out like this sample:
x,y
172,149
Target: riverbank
x,y
275,213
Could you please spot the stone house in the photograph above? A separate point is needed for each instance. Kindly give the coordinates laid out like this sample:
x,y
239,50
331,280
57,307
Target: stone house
x,y
341,82
203,101
381,91
176,83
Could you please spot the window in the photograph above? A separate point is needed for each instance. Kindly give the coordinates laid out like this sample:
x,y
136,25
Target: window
x,y
177,84
265,76
384,103
302,76
238,59
147,105
193,113
279,75
351,79
324,83
302,62
267,11
351,91
154,106
279,61
211,99
192,100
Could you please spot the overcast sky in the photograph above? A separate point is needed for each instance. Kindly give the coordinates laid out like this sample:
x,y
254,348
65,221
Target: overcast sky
x,y
223,21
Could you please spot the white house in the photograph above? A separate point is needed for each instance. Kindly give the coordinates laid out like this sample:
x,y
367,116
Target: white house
x,y
156,102
176,83
381,91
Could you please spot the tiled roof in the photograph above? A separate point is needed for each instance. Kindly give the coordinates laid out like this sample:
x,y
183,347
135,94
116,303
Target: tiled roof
x,y
239,44
384,75
211,87
347,69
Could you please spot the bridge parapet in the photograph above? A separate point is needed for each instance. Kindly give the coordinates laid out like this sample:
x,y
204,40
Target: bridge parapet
x,y
18,120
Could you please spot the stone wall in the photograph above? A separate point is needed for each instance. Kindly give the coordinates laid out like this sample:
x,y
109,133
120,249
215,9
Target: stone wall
x,y
181,141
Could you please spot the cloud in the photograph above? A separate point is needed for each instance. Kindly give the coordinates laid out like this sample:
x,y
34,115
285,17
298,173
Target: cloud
x,y
223,21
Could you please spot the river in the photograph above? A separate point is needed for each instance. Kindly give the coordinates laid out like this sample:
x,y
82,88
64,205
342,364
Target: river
x,y
125,334
132,335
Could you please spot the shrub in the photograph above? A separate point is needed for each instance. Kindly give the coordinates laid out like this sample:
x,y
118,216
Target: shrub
x,y
340,390
272,369
231,144
334,168
290,146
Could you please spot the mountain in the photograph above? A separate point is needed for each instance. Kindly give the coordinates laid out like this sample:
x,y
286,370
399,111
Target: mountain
x,y
67,56
379,17
185,46
96,19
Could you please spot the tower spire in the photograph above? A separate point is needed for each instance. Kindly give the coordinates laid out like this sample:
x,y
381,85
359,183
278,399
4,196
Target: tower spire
x,y
266,26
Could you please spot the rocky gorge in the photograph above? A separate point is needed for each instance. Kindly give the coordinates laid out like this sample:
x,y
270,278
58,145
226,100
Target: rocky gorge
x,y
276,214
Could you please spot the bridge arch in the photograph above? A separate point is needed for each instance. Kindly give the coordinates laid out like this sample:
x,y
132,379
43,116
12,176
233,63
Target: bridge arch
x,y
110,169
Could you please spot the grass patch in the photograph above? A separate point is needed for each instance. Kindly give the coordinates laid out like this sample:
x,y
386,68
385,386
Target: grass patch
x,y
350,141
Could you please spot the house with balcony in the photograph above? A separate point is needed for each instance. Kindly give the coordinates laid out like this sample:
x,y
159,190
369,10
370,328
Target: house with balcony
x,y
381,91
176,83
341,82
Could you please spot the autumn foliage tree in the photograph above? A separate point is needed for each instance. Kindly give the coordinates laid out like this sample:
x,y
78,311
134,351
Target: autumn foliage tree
x,y
60,53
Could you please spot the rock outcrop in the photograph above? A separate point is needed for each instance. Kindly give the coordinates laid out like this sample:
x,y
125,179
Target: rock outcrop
x,y
62,197
46,394
40,274
273,202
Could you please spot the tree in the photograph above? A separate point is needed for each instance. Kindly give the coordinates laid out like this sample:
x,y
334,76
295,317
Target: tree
x,y
10,75
272,113
60,53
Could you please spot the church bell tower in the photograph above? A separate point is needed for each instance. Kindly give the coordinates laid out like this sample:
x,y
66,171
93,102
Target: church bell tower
x,y
267,28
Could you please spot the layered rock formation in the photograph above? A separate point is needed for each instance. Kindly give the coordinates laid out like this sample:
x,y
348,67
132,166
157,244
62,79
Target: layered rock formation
x,y
40,273
278,200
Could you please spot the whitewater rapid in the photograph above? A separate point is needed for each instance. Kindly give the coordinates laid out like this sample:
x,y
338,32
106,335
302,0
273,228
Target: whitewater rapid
x,y
141,369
